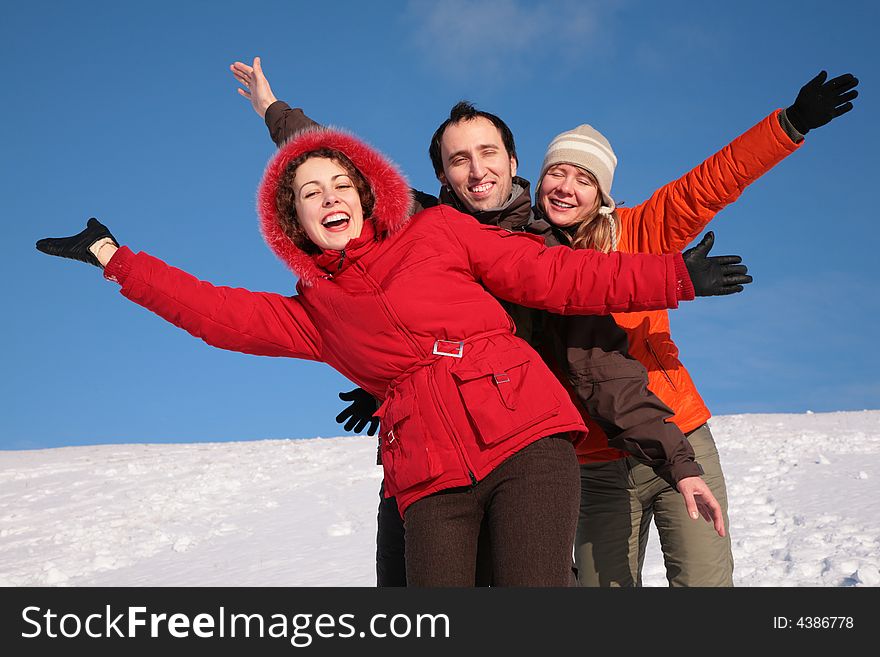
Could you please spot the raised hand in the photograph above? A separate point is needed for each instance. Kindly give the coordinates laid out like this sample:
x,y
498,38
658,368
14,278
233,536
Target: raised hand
x,y
360,412
77,247
256,86
716,275
819,101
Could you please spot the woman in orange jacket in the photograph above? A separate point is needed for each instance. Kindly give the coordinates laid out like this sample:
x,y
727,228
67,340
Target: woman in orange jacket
x,y
620,496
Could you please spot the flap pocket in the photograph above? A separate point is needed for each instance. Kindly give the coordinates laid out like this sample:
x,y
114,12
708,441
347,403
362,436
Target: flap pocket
x,y
503,394
624,368
504,372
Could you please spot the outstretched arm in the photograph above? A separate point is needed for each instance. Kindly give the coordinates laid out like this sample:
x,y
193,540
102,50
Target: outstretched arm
x,y
677,212
518,267
258,323
282,120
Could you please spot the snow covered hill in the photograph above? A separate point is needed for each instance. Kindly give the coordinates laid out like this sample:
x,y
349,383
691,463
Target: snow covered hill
x,y
803,489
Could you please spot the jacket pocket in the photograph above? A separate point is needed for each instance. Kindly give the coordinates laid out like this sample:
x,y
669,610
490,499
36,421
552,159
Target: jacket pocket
x,y
502,397
406,459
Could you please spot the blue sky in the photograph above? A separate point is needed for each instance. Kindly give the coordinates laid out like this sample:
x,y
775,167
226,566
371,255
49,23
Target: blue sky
x,y
127,112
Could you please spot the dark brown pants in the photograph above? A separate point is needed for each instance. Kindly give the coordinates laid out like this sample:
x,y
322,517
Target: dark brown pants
x,y
530,505
391,547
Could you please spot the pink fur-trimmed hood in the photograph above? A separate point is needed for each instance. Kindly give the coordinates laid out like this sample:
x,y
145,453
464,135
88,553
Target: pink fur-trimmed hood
x,y
392,193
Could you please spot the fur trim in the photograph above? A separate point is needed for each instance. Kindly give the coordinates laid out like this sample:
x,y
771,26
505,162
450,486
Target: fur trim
x,y
392,193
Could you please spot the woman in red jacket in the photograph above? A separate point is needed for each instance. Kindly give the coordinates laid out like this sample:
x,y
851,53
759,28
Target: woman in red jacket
x,y
473,423
619,495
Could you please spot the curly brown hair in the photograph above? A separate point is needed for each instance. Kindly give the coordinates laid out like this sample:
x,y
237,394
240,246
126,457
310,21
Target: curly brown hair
x,y
286,196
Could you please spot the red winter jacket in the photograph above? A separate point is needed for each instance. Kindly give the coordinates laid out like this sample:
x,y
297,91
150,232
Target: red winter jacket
x,y
404,312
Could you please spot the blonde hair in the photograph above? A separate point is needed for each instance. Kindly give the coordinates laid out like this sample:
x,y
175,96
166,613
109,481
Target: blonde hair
x,y
598,229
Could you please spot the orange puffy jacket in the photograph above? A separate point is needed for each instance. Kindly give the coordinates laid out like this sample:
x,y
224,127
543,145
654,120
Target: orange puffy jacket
x,y
667,222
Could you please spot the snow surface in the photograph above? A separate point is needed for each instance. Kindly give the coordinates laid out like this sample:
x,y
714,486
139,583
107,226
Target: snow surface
x,y
803,492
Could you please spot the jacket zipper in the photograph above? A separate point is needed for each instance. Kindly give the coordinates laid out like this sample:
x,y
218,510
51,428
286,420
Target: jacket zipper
x,y
453,434
392,316
341,260
660,365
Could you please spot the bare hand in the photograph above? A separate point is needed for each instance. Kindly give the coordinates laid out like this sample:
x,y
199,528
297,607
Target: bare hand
x,y
700,501
256,86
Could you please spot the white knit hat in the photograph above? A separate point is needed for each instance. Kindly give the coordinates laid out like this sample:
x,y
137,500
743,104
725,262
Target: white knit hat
x,y
585,147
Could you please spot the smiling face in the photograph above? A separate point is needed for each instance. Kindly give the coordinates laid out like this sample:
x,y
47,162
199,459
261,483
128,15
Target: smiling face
x,y
328,206
476,165
568,195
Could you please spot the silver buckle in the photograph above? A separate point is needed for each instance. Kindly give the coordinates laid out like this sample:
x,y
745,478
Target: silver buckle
x,y
459,345
501,378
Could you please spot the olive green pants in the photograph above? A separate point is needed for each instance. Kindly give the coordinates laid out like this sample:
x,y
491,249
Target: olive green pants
x,y
618,501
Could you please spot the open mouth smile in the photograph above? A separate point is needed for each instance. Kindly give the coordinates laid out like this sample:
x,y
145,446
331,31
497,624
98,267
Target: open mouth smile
x,y
336,222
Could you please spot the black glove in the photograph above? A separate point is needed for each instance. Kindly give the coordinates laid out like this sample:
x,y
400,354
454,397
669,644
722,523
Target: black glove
x,y
77,246
717,275
819,101
359,412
